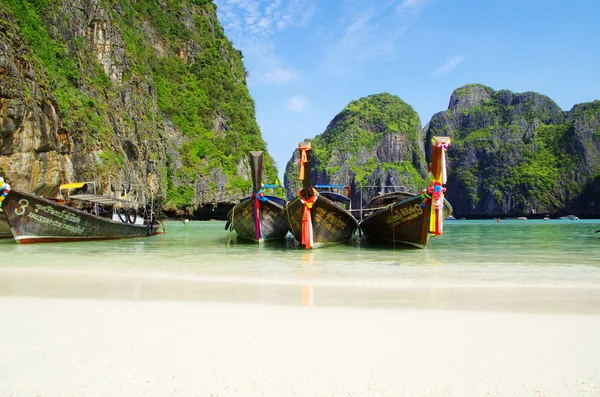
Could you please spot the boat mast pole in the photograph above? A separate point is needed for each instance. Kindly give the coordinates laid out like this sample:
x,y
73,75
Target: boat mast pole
x,y
256,166
305,174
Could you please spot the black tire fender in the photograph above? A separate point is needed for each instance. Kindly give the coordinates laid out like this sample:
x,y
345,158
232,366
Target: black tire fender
x,y
131,215
122,215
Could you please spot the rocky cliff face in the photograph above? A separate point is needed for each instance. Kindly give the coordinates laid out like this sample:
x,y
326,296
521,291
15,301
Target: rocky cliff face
x,y
374,144
148,95
511,154
519,154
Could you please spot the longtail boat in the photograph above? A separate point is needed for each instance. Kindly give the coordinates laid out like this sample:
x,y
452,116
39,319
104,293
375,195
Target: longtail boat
x,y
35,219
407,218
258,217
314,219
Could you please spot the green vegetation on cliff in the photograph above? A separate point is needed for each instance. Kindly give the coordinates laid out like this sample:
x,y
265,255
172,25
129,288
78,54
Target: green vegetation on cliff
x,y
516,153
360,127
175,59
374,141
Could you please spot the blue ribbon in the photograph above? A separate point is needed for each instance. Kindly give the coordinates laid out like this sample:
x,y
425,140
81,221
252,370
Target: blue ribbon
x,y
258,195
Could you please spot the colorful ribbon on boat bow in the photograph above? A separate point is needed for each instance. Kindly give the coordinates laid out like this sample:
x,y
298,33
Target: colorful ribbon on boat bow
x,y
258,197
307,228
4,189
436,189
436,219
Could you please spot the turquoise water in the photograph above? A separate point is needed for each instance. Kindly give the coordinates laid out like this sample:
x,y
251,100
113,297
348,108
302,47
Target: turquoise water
x,y
470,252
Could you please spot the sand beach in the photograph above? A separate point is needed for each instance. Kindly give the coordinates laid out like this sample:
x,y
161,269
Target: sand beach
x,y
84,334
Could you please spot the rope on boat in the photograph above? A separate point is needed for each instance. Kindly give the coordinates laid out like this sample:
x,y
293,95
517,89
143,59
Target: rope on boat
x,y
258,197
391,207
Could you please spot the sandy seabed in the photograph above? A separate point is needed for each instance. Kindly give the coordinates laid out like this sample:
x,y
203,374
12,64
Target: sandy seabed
x,y
67,346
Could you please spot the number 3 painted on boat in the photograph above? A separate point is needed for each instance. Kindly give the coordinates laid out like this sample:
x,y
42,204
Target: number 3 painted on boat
x,y
23,204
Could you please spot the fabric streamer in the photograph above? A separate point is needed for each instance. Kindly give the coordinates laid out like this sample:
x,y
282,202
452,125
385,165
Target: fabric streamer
x,y
307,228
4,189
258,197
436,189
436,220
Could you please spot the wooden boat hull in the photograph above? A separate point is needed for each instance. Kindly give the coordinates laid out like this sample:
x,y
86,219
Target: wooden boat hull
x,y
34,219
332,224
272,226
405,222
4,226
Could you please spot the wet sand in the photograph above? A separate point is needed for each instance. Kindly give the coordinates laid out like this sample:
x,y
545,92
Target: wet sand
x,y
86,334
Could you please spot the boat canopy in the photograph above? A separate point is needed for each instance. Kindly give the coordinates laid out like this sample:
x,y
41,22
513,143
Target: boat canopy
x,y
270,186
330,186
97,198
75,185
387,199
336,197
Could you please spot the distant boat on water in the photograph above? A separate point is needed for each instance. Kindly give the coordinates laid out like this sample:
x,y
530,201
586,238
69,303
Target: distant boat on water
x,y
569,217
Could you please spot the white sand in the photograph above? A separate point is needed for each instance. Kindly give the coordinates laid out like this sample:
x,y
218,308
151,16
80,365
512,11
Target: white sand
x,y
94,347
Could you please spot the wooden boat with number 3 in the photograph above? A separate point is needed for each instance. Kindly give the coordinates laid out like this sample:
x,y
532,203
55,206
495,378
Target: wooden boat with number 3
x,y
258,217
312,218
35,219
407,218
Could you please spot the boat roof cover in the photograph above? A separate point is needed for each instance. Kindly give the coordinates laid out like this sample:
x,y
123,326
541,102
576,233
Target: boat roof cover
x,y
388,198
74,185
97,198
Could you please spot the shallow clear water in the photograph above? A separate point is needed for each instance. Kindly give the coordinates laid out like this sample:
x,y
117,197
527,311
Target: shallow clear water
x,y
477,251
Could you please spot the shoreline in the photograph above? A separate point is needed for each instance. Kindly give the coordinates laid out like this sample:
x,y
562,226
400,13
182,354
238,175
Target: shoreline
x,y
563,298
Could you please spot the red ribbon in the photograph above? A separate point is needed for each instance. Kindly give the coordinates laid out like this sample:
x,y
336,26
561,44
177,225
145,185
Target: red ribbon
x,y
306,221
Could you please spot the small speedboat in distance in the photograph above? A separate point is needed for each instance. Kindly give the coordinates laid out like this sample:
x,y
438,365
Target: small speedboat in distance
x,y
258,217
316,219
35,219
407,218
569,218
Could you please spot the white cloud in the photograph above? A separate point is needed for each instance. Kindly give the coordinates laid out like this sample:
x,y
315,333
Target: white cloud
x,y
297,104
449,66
280,76
371,30
252,25
411,5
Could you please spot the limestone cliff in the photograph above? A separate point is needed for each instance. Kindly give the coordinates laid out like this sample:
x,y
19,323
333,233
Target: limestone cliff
x,y
511,154
519,154
373,143
146,94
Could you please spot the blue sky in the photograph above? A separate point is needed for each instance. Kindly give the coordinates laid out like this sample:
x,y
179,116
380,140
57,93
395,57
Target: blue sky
x,y
307,59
